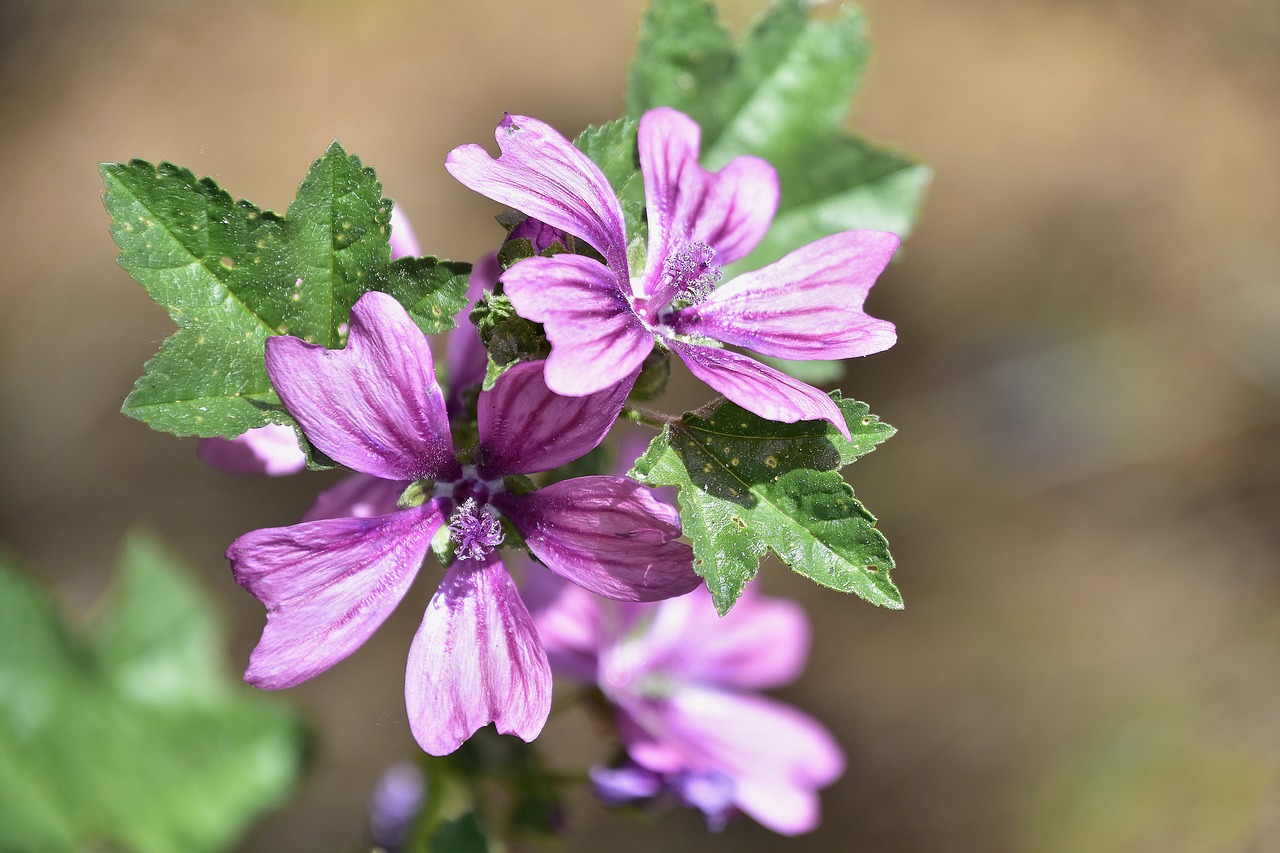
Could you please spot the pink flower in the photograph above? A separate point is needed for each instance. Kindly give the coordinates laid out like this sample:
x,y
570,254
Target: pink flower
x,y
603,319
328,584
683,684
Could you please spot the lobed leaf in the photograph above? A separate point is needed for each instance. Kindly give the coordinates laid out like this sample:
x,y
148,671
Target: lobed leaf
x,y
748,486
231,274
131,737
783,94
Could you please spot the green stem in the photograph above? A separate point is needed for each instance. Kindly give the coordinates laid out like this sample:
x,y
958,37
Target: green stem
x,y
647,417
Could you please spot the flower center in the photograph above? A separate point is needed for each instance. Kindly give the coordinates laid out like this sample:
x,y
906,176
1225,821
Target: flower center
x,y
474,530
690,274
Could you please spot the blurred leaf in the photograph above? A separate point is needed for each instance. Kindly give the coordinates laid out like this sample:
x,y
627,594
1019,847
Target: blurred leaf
x,y
813,372
231,274
132,736
463,835
784,94
748,486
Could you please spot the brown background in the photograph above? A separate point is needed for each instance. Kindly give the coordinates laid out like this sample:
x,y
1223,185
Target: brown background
x,y
1082,499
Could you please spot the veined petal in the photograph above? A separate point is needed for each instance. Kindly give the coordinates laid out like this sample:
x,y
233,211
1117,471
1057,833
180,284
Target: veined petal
x,y
763,642
272,450
569,621
327,586
357,496
404,243
465,357
476,659
542,174
596,338
776,755
608,534
729,210
374,406
806,305
525,428
757,387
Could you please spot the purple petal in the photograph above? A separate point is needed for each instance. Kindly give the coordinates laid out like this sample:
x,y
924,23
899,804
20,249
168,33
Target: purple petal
x,y
806,305
327,586
608,534
596,338
272,450
763,642
404,243
476,659
374,406
758,388
525,428
710,792
465,357
619,786
542,174
569,621
357,496
395,803
776,756
729,210
539,233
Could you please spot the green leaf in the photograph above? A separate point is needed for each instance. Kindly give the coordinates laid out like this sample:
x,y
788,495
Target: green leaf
x,y
613,148
748,486
463,835
230,275
132,736
784,94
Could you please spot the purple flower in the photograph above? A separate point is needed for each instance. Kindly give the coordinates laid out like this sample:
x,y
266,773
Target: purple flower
x,y
683,682
602,322
328,584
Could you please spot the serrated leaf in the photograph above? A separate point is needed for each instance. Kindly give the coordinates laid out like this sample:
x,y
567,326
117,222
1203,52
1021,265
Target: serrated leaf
x,y
612,147
748,486
230,275
783,95
131,737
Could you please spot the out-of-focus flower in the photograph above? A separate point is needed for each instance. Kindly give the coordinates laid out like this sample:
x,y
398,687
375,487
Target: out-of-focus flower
x,y
395,804
683,684
602,322
376,408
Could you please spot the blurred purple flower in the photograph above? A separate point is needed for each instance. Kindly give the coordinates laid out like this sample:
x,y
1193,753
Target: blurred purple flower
x,y
683,682
376,408
602,322
395,804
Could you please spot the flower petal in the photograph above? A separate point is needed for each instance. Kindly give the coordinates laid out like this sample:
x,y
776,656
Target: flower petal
x,y
540,173
327,586
759,388
465,357
272,450
596,338
776,755
806,305
608,534
525,428
476,659
357,496
729,210
374,406
763,642
404,243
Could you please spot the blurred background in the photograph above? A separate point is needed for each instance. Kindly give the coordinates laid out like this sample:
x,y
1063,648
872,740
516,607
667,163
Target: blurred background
x,y
1084,494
